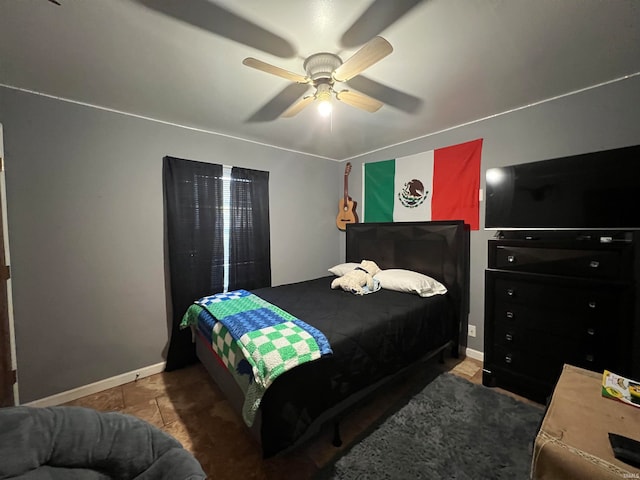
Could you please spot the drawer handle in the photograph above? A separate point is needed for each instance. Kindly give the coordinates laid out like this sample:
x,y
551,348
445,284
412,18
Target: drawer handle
x,y
592,304
508,337
511,258
511,292
594,264
510,315
591,331
588,357
508,358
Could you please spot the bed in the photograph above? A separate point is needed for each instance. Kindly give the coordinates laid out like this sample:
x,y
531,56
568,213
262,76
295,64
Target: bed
x,y
374,337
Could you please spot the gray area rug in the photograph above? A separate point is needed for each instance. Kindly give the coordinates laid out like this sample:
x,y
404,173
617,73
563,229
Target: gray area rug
x,y
452,429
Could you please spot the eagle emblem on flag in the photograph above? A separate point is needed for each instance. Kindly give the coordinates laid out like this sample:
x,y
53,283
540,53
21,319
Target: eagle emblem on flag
x,y
412,194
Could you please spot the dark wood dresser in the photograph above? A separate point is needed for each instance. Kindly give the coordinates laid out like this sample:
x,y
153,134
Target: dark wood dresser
x,y
559,297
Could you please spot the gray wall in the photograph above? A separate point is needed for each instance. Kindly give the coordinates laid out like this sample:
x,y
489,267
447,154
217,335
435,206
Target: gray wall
x,y
84,198
596,119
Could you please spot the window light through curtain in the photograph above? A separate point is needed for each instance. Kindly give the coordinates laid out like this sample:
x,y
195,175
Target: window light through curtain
x,y
217,237
226,220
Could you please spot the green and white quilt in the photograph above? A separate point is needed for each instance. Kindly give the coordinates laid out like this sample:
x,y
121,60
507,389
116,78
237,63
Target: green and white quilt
x,y
271,340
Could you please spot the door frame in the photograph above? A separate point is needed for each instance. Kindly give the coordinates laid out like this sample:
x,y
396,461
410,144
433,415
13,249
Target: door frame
x,y
8,364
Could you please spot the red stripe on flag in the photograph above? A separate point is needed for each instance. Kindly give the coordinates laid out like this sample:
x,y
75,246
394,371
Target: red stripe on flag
x,y
456,183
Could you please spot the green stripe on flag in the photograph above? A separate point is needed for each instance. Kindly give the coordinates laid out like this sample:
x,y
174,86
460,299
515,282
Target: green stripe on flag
x,y
378,191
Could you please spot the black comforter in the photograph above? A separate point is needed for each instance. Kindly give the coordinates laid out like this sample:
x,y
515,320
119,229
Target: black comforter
x,y
372,336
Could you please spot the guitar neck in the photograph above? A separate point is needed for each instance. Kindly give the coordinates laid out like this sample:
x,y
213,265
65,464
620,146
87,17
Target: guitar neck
x,y
346,190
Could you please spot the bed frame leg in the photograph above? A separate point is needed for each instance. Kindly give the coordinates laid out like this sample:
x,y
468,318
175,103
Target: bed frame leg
x,y
337,441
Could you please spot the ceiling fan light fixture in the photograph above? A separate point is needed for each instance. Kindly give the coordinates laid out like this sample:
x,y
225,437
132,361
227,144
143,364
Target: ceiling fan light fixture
x,y
325,108
323,95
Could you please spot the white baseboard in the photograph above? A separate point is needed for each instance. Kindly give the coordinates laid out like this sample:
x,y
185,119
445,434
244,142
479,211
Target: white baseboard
x,y
470,352
107,383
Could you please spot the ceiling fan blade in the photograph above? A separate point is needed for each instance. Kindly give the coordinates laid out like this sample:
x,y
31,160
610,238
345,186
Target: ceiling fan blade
x,y
359,100
280,72
278,104
297,107
216,19
397,99
375,19
375,50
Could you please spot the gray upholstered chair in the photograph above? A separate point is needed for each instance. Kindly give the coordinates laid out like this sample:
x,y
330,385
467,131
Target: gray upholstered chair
x,y
80,443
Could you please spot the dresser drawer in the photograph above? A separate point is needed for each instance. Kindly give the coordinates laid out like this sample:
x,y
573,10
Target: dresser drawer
x,y
541,327
602,264
540,367
562,296
546,365
530,337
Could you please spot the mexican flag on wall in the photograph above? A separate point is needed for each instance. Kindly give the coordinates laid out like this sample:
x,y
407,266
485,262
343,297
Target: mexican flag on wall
x,y
441,184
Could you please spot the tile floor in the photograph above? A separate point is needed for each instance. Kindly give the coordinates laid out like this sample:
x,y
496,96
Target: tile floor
x,y
188,405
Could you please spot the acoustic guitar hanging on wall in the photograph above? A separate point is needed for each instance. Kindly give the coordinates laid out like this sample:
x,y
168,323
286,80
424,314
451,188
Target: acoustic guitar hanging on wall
x,y
347,207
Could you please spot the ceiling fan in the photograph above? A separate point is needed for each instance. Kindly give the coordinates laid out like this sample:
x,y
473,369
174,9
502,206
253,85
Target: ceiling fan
x,y
213,17
324,70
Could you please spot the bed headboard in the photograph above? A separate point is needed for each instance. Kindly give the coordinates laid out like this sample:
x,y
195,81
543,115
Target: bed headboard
x,y
439,249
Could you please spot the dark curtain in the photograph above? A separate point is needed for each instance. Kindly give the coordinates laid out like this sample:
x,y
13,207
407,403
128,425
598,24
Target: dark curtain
x,y
195,250
250,250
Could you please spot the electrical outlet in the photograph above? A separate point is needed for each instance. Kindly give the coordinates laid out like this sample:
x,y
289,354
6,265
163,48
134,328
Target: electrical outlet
x,y
472,330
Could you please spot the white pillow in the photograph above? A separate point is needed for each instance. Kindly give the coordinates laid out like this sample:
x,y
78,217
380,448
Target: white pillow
x,y
342,268
409,281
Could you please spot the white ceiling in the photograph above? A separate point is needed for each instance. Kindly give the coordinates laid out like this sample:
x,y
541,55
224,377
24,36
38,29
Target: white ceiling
x,y
454,61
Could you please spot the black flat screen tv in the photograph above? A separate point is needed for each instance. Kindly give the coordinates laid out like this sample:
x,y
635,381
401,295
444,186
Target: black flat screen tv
x,y
593,191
